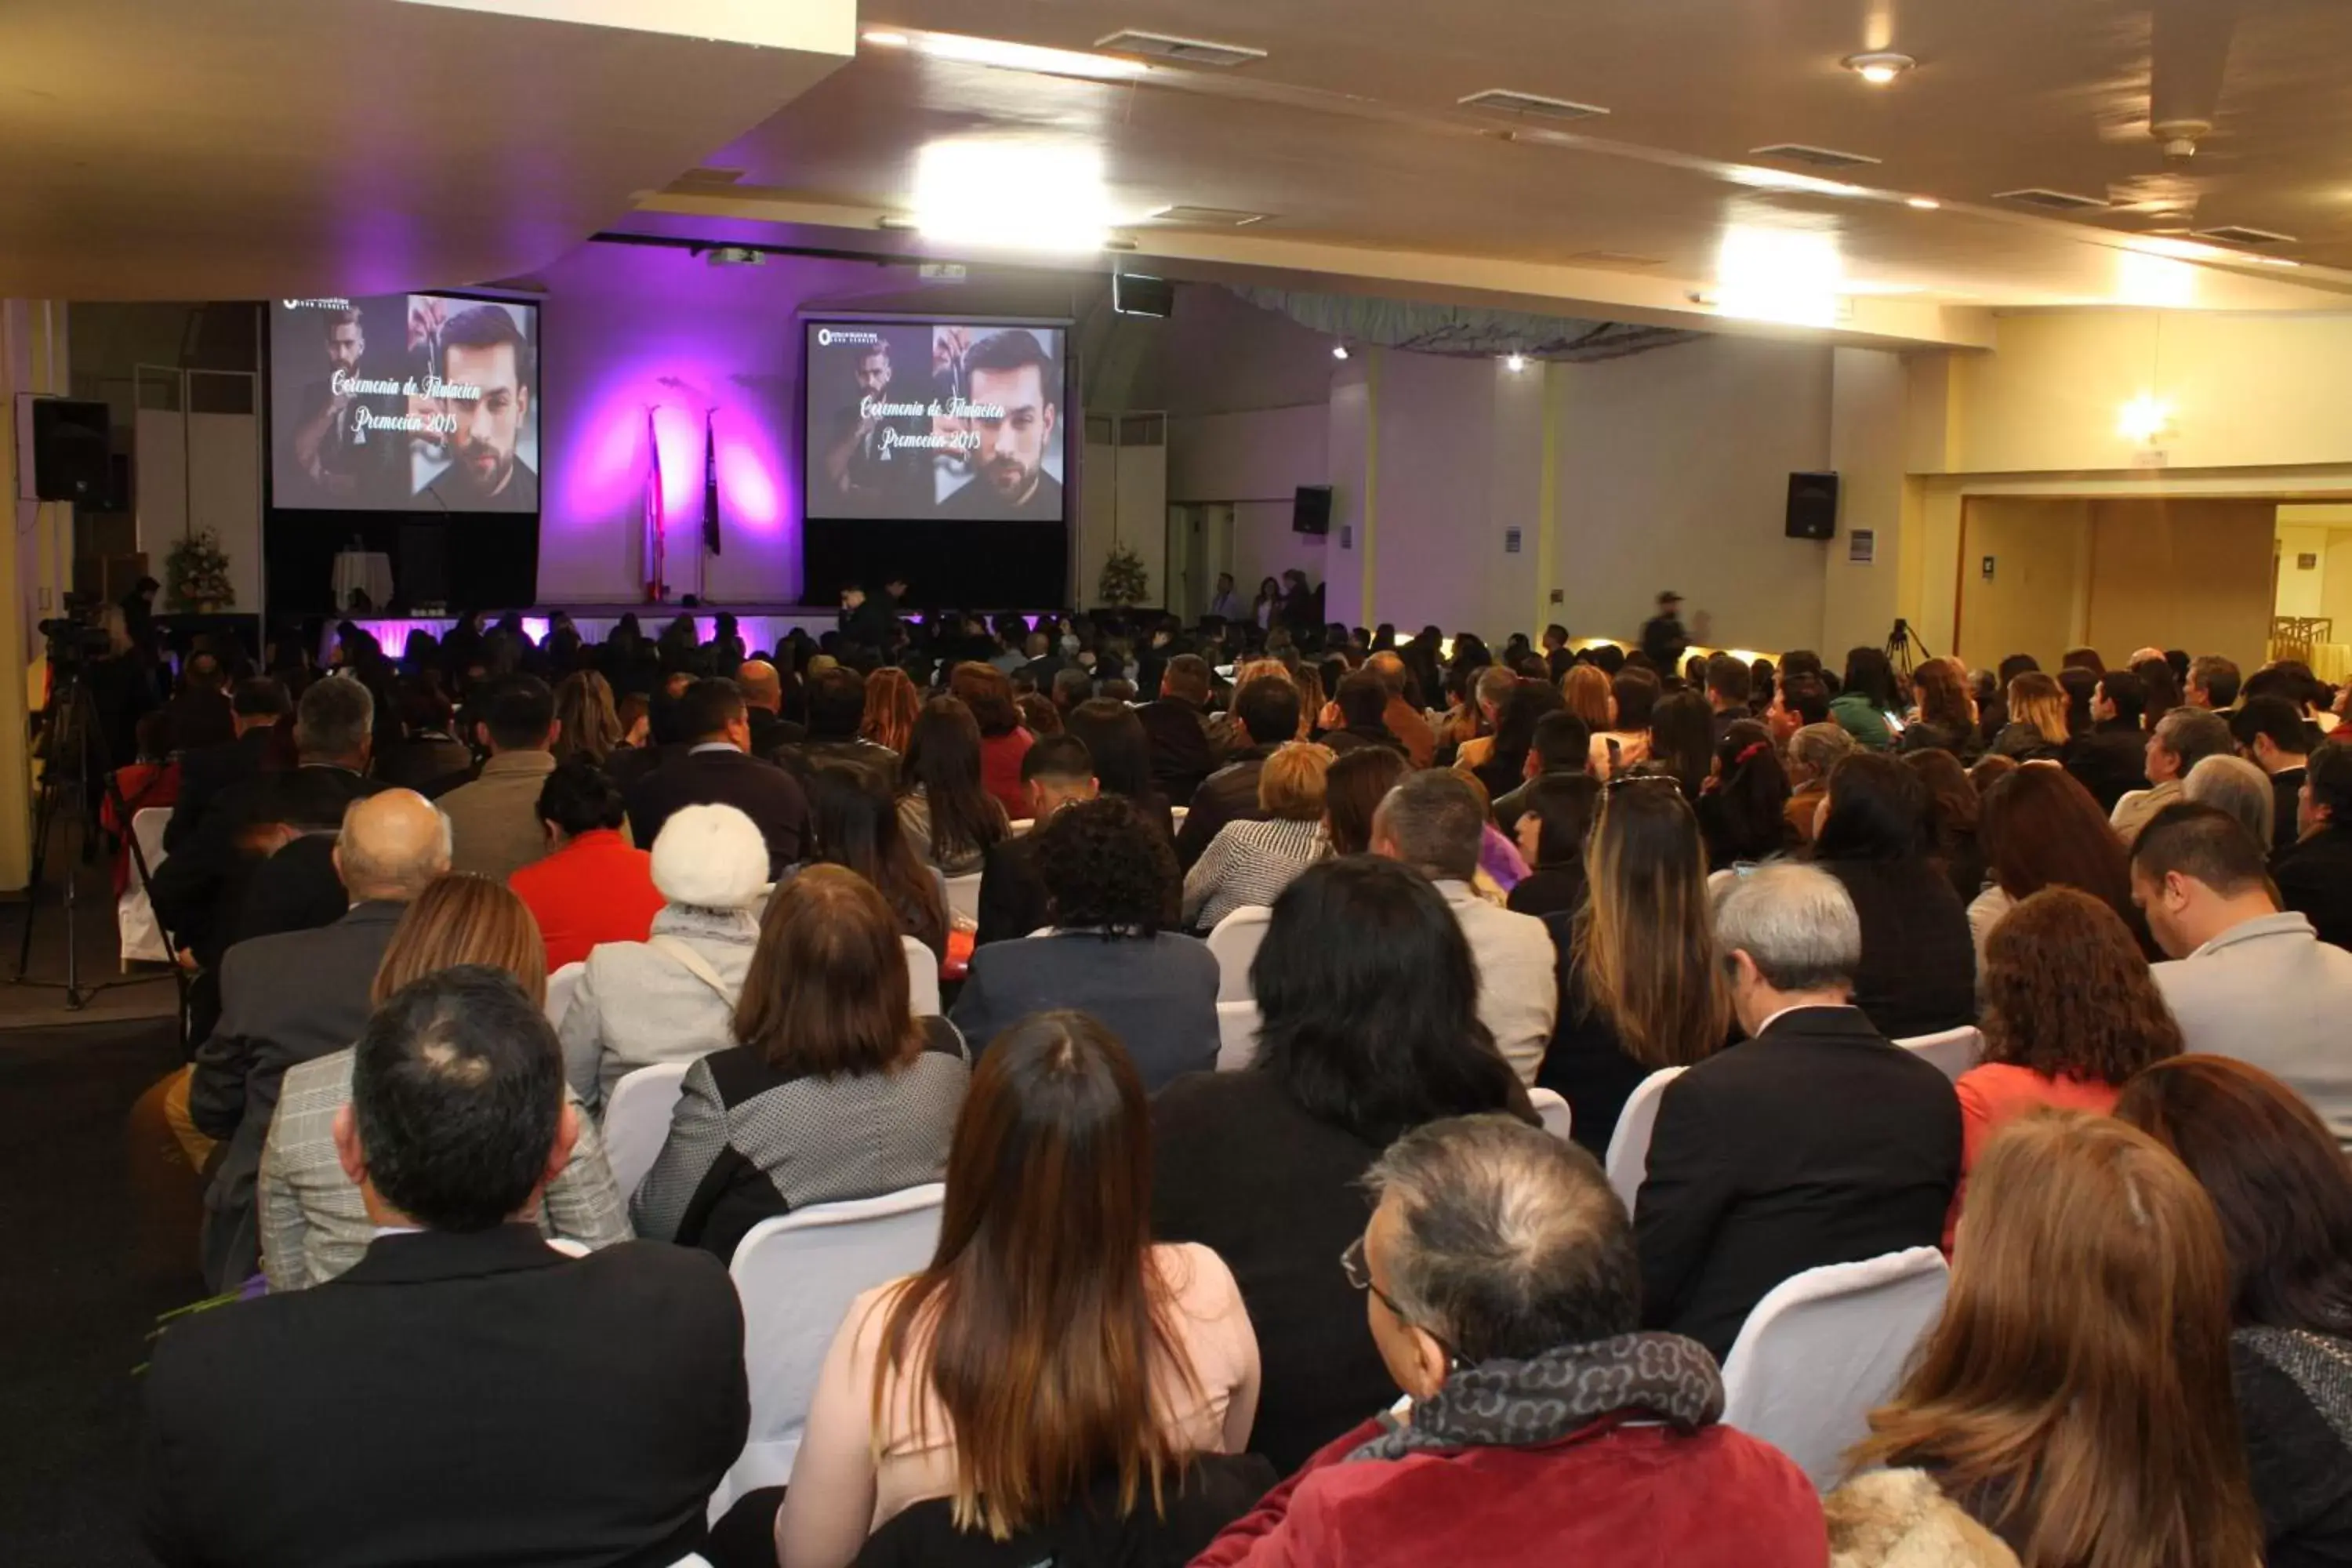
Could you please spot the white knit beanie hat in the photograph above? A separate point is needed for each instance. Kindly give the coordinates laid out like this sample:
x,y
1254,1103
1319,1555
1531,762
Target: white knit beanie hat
x,y
711,856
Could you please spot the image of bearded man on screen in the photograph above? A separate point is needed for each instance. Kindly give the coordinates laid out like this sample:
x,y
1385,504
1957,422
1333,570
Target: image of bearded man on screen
x,y
1014,391
482,348
332,451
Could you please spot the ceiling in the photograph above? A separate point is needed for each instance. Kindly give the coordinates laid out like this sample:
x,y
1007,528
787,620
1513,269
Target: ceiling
x,y
1348,135
243,149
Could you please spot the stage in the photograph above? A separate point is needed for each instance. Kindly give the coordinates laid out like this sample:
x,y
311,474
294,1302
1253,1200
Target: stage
x,y
760,626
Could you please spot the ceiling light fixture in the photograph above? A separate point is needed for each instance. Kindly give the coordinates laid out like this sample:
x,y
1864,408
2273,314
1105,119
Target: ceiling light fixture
x,y
1785,275
1338,351
957,195
1024,56
2142,419
1924,203
1515,361
886,40
1879,66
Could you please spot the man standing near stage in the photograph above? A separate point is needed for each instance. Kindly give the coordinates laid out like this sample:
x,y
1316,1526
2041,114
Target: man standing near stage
x,y
1010,375
1663,637
482,349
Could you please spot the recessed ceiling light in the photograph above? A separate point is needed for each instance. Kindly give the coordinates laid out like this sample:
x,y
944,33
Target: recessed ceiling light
x,y
1067,209
1515,361
2278,261
885,40
1924,203
1338,351
1023,57
1879,66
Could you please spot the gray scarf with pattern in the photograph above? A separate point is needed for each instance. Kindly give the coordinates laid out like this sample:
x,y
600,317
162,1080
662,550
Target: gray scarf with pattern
x,y
1521,1404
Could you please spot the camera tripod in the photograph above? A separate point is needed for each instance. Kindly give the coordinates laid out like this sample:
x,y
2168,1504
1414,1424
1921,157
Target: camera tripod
x,y
1904,647
76,756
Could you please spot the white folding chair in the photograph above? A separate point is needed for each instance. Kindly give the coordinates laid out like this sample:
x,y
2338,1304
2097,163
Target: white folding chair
x,y
1237,1025
1951,1053
560,987
1180,813
1022,824
922,978
797,1275
1629,1144
963,899
1233,942
134,914
636,1121
1823,1349
1552,1111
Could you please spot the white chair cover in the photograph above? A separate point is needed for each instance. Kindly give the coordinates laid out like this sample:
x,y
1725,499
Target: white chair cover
x,y
922,978
1821,1350
1022,824
560,987
1234,943
1952,1053
1237,1024
1629,1144
636,1121
1553,1110
134,915
797,1275
1180,813
963,899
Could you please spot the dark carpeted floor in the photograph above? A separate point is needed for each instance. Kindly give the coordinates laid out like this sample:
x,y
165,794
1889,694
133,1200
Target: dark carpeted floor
x,y
98,1228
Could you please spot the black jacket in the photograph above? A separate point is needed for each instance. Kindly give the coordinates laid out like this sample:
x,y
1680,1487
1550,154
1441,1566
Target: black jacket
x,y
1158,995
1817,1142
1214,1490
2111,760
430,765
199,891
1924,736
1181,759
1012,898
205,774
1918,962
761,791
2315,879
2286,793
455,1399
1229,794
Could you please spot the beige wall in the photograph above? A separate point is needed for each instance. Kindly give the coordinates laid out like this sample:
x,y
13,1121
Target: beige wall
x,y
2031,604
2183,573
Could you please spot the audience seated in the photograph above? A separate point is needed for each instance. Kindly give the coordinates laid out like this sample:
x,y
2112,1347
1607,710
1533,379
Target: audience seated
x,y
2041,828
1355,717
464,1393
2283,1194
2036,730
2211,683
1866,699
1640,984
672,996
832,1090
1436,823
2238,787
1682,740
587,719
1814,753
2070,1014
1634,695
1800,700
717,770
1250,862
1562,748
2111,757
1368,1001
1112,891
595,886
1743,811
427,757
2315,875
1553,815
1585,688
2074,1406
1401,719
836,722
1353,789
292,996
494,822
314,1223
1049,1344
1265,707
1014,902
1917,975
205,771
1176,729
2179,740
2272,734
1501,1288
988,692
948,816
763,686
854,822
1815,1140
1954,808
1114,739
2247,980
891,704
1505,766
1947,718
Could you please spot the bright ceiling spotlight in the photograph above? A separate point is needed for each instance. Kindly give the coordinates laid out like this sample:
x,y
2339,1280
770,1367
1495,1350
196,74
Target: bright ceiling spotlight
x,y
959,186
1515,361
2142,419
882,39
1924,203
1879,66
1338,351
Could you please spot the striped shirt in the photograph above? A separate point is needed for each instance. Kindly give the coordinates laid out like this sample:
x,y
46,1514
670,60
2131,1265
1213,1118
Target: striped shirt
x,y
1249,863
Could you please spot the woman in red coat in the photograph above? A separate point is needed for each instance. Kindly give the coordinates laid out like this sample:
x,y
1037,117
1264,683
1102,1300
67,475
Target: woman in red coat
x,y
595,887
988,692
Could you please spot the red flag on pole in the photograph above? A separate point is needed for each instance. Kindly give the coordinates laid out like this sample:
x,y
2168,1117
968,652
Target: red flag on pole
x,y
655,590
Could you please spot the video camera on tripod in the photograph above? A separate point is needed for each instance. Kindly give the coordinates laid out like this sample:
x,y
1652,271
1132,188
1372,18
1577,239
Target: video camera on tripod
x,y
75,642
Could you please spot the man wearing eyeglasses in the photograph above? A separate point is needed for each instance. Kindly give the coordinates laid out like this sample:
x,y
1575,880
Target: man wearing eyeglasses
x,y
1539,1424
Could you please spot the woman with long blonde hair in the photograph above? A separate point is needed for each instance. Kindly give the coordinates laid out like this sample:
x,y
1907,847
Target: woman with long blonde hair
x,y
588,722
1586,687
2037,726
891,704
2074,1404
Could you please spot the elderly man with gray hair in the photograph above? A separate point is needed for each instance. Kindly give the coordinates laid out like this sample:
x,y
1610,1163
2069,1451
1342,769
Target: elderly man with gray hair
x,y
1436,823
2182,738
1815,1141
1540,1424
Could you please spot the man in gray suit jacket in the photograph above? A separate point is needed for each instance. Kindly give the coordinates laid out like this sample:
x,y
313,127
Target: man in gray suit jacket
x,y
297,995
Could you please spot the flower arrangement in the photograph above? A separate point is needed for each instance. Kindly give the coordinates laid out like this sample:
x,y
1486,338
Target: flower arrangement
x,y
1123,581
196,574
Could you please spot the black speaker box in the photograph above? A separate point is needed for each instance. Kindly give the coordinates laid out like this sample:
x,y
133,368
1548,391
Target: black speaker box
x,y
1311,509
1812,506
1140,294
71,451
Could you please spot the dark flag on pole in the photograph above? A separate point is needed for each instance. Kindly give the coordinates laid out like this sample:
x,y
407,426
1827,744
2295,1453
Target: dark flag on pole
x,y
709,485
654,521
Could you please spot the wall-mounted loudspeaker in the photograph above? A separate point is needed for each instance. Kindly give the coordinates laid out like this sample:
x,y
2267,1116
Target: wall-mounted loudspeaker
x,y
1311,509
1140,294
1812,506
61,449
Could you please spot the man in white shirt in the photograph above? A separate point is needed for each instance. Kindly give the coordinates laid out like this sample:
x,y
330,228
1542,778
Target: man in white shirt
x,y
1433,822
2247,981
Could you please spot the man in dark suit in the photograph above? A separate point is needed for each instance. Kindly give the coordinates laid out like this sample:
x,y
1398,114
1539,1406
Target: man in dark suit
x,y
836,709
1815,1140
465,1392
763,698
718,769
2111,757
2270,732
2315,875
1562,748
208,772
200,712
1056,772
290,997
1176,728
1266,710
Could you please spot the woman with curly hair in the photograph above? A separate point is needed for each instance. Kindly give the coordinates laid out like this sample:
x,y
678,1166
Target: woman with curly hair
x,y
2069,1013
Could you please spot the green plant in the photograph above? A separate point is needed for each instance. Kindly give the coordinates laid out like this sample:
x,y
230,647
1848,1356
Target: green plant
x,y
196,572
1123,581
